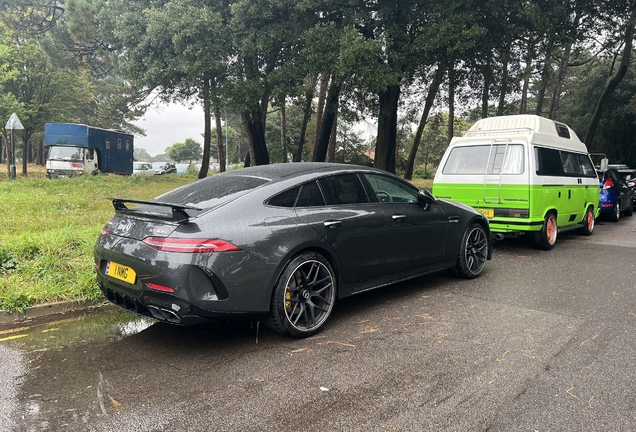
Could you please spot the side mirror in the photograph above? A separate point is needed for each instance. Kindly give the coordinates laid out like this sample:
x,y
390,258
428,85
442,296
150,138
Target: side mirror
x,y
425,197
604,164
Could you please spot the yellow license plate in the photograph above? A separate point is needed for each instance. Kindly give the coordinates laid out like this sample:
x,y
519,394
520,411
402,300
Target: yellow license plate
x,y
120,272
489,213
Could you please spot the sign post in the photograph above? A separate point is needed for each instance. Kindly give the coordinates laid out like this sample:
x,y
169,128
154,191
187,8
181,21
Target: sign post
x,y
13,123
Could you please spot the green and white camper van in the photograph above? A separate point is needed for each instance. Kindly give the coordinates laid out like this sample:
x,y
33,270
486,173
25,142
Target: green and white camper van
x,y
525,173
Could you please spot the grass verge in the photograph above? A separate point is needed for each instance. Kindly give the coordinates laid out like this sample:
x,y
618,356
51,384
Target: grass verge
x,y
49,229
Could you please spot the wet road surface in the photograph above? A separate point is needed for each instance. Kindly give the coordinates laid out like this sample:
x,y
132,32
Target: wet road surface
x,y
541,341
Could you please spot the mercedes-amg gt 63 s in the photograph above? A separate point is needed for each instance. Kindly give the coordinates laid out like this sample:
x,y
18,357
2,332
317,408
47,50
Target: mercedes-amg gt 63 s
x,y
280,243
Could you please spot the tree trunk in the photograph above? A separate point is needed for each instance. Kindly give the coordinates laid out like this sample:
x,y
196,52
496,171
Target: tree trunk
x,y
247,161
523,108
545,76
328,118
207,113
309,96
40,158
504,83
451,104
26,137
430,98
485,96
386,144
283,130
254,122
331,150
614,80
219,139
322,94
563,67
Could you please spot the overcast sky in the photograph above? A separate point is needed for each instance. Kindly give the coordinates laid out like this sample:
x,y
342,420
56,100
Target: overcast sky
x,y
167,125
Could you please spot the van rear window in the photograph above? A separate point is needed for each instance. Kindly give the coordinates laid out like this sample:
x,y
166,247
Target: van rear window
x,y
485,159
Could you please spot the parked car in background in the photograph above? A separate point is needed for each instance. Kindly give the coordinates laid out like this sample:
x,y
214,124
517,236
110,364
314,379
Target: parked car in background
x,y
629,176
164,168
616,196
182,168
281,243
143,168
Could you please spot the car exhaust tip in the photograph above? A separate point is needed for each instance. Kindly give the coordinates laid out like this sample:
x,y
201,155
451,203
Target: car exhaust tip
x,y
163,314
498,236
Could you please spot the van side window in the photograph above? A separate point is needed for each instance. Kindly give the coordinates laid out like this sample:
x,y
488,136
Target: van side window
x,y
548,162
552,162
571,165
587,166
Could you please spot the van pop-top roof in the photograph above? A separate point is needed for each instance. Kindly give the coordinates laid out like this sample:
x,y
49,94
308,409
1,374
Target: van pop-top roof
x,y
537,130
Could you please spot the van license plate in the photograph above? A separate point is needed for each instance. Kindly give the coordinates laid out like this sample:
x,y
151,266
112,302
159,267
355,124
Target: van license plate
x,y
120,272
489,213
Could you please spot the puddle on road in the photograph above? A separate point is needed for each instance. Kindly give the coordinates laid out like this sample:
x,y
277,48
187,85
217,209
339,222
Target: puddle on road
x,y
92,326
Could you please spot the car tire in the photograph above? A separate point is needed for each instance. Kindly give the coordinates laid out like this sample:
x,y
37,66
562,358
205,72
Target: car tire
x,y
303,297
546,238
588,222
473,252
614,217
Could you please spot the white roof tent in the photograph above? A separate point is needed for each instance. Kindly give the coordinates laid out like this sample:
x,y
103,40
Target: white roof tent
x,y
535,129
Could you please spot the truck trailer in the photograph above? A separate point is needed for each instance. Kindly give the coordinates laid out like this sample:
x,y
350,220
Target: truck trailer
x,y
77,149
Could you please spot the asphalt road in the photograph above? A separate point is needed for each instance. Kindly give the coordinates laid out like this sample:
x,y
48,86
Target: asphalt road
x,y
542,341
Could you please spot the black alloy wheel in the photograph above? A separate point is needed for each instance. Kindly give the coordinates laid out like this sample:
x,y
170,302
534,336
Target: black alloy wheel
x,y
473,252
303,297
614,217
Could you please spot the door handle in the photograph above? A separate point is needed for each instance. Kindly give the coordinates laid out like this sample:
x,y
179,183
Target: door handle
x,y
398,217
332,223
453,219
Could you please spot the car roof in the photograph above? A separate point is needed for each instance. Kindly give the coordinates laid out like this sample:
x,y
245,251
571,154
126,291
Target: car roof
x,y
280,171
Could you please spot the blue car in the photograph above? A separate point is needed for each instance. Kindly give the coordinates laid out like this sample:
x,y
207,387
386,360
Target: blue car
x,y
616,196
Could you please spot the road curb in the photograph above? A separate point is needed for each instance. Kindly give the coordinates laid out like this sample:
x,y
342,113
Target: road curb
x,y
49,309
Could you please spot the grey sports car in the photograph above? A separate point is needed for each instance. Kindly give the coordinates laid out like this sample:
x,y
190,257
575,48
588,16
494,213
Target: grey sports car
x,y
280,243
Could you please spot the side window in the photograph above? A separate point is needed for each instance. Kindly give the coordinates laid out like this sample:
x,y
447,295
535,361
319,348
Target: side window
x,y
548,162
285,199
571,164
343,189
586,166
310,196
387,189
562,130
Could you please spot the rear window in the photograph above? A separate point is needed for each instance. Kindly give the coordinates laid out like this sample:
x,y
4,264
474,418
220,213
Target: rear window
x,y
212,191
485,159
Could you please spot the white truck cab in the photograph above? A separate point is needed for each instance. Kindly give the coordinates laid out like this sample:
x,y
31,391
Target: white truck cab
x,y
69,161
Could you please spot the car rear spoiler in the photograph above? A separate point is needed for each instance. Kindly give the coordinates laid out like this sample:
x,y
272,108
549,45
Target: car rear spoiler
x,y
178,213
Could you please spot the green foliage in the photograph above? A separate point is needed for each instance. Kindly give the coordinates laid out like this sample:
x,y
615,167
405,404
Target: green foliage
x,y
190,151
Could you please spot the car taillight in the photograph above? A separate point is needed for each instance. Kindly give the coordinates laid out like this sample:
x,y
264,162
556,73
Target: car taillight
x,y
189,245
104,231
608,184
159,287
